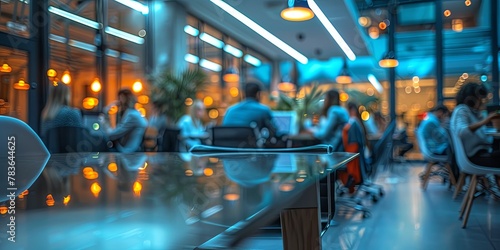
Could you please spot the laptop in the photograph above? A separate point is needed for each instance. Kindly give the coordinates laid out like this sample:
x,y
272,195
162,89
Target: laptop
x,y
286,122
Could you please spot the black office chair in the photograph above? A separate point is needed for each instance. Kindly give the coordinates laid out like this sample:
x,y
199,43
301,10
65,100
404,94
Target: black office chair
x,y
235,137
73,139
169,141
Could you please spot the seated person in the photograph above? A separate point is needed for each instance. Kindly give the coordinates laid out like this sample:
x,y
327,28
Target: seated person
x,y
57,112
400,137
468,123
191,125
250,111
332,121
129,131
434,135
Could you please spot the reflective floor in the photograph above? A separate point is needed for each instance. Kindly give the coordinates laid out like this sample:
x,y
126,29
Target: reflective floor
x,y
409,218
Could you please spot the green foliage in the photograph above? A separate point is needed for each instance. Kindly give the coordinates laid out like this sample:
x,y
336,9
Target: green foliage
x,y
304,106
170,90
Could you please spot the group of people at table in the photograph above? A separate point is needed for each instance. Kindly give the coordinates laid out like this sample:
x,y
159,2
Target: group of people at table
x,y
468,120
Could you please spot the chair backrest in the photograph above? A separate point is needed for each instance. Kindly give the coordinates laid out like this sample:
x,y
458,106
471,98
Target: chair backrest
x,y
426,153
170,140
463,162
237,137
73,139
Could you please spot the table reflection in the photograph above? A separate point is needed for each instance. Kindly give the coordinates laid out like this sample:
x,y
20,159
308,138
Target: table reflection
x,y
156,200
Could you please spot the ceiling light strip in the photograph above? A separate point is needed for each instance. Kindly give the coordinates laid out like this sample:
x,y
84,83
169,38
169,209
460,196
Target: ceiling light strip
x,y
191,30
191,58
333,32
82,45
73,17
233,51
261,31
135,5
124,35
211,40
252,60
376,84
210,65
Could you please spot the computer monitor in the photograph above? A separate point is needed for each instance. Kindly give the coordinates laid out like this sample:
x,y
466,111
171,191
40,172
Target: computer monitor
x,y
286,122
91,120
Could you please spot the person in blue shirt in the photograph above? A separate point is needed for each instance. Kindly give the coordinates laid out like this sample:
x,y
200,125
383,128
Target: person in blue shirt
x,y
250,111
431,131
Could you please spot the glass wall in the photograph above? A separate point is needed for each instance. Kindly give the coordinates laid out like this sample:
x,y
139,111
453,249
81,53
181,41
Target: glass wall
x,y
14,83
227,62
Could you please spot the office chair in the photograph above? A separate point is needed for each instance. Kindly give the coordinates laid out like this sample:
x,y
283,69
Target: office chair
x,y
433,160
69,139
235,137
169,141
467,167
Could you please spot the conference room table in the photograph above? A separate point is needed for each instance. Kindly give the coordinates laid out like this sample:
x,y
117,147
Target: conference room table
x,y
166,200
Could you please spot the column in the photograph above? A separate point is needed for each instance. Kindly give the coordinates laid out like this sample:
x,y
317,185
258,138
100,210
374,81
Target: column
x,y
439,51
494,50
392,71
168,40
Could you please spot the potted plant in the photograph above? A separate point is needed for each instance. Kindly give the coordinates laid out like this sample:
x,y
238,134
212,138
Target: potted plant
x,y
170,90
305,105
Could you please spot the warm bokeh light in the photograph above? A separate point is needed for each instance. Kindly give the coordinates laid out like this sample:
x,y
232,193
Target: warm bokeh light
x,y
112,167
90,174
66,77
231,197
113,110
467,3
417,89
213,160
300,179
208,172
286,187
344,97
208,101
66,200
142,111
143,99
465,76
138,106
96,85
231,77
137,187
51,73
95,189
370,92
361,108
364,21
137,86
382,25
25,192
447,13
286,87
408,89
3,209
90,102
213,114
188,101
49,200
189,172
373,32
430,104
415,79
365,115
87,170
457,25
234,92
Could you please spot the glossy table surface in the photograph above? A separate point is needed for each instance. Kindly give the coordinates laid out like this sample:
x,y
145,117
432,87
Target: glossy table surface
x,y
152,200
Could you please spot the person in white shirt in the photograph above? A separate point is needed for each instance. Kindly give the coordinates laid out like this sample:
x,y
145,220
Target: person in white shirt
x,y
192,127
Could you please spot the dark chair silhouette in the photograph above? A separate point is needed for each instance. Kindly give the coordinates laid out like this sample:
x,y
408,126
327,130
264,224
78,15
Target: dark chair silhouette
x,y
236,137
73,139
169,141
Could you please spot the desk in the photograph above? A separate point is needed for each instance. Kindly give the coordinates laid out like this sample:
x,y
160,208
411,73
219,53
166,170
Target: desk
x,y
162,200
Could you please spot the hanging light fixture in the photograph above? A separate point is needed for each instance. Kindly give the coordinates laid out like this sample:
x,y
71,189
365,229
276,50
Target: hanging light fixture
x,y
286,85
66,77
96,85
344,77
51,73
298,10
5,68
389,60
21,85
231,75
